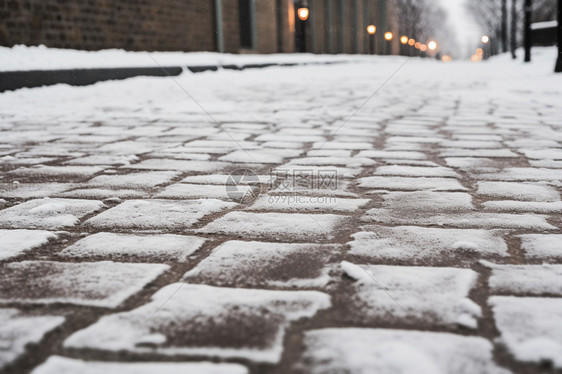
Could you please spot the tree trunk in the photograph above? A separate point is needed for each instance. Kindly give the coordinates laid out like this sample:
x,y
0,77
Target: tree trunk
x,y
513,29
504,26
558,68
528,10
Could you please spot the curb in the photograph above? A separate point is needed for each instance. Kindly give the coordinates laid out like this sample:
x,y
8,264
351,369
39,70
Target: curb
x,y
13,80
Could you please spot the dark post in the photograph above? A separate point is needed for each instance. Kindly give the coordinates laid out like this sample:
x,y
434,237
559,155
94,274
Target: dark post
x,y
513,28
504,26
372,43
528,11
558,68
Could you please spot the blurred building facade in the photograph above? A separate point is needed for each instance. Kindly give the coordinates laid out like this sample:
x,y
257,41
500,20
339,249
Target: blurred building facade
x,y
231,26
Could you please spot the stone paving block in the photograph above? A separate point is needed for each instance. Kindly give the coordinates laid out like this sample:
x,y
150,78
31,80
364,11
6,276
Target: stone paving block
x,y
425,202
133,180
522,175
460,220
340,161
259,264
487,153
269,156
411,243
416,171
303,203
530,327
18,330
179,165
381,351
116,247
410,295
523,206
103,193
16,242
48,213
56,172
525,280
113,160
102,284
277,226
411,184
63,365
542,246
157,214
519,191
474,164
32,190
204,321
202,191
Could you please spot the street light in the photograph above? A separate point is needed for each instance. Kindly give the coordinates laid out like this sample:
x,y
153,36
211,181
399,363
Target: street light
x,y
485,39
423,47
371,30
411,42
404,39
388,36
303,14
432,45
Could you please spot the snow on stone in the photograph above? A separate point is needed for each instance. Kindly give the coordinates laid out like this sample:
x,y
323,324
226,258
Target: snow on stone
x,y
57,172
415,171
102,284
342,145
259,264
522,174
31,190
63,365
382,351
103,193
519,191
157,214
426,201
302,203
393,155
198,191
18,330
179,165
16,242
277,226
103,160
434,296
468,144
341,172
473,164
340,161
413,243
487,153
411,184
530,327
270,156
133,180
223,179
523,206
155,248
48,213
546,153
205,321
528,280
542,246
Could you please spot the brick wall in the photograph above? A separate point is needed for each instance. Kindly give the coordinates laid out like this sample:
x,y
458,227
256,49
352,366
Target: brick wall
x,y
98,24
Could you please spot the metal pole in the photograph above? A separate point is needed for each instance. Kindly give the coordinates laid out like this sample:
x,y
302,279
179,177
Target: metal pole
x,y
504,26
558,68
528,10
513,29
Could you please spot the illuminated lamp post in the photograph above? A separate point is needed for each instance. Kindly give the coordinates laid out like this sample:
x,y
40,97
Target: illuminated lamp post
x,y
302,13
388,36
371,30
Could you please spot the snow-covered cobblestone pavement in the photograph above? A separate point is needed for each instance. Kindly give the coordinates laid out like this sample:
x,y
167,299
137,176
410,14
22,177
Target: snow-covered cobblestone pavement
x,y
376,217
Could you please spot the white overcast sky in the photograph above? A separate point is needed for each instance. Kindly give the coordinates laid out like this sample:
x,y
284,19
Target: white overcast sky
x,y
467,30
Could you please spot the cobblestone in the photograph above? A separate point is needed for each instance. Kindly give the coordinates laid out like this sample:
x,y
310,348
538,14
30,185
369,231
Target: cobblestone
x,y
294,226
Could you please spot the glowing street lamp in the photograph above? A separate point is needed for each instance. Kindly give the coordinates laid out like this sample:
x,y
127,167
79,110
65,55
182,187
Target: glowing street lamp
x,y
417,45
446,58
411,42
432,45
303,14
404,39
388,36
485,39
371,30
423,47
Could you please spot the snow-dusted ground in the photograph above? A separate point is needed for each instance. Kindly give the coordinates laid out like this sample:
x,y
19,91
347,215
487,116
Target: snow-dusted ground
x,y
380,216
